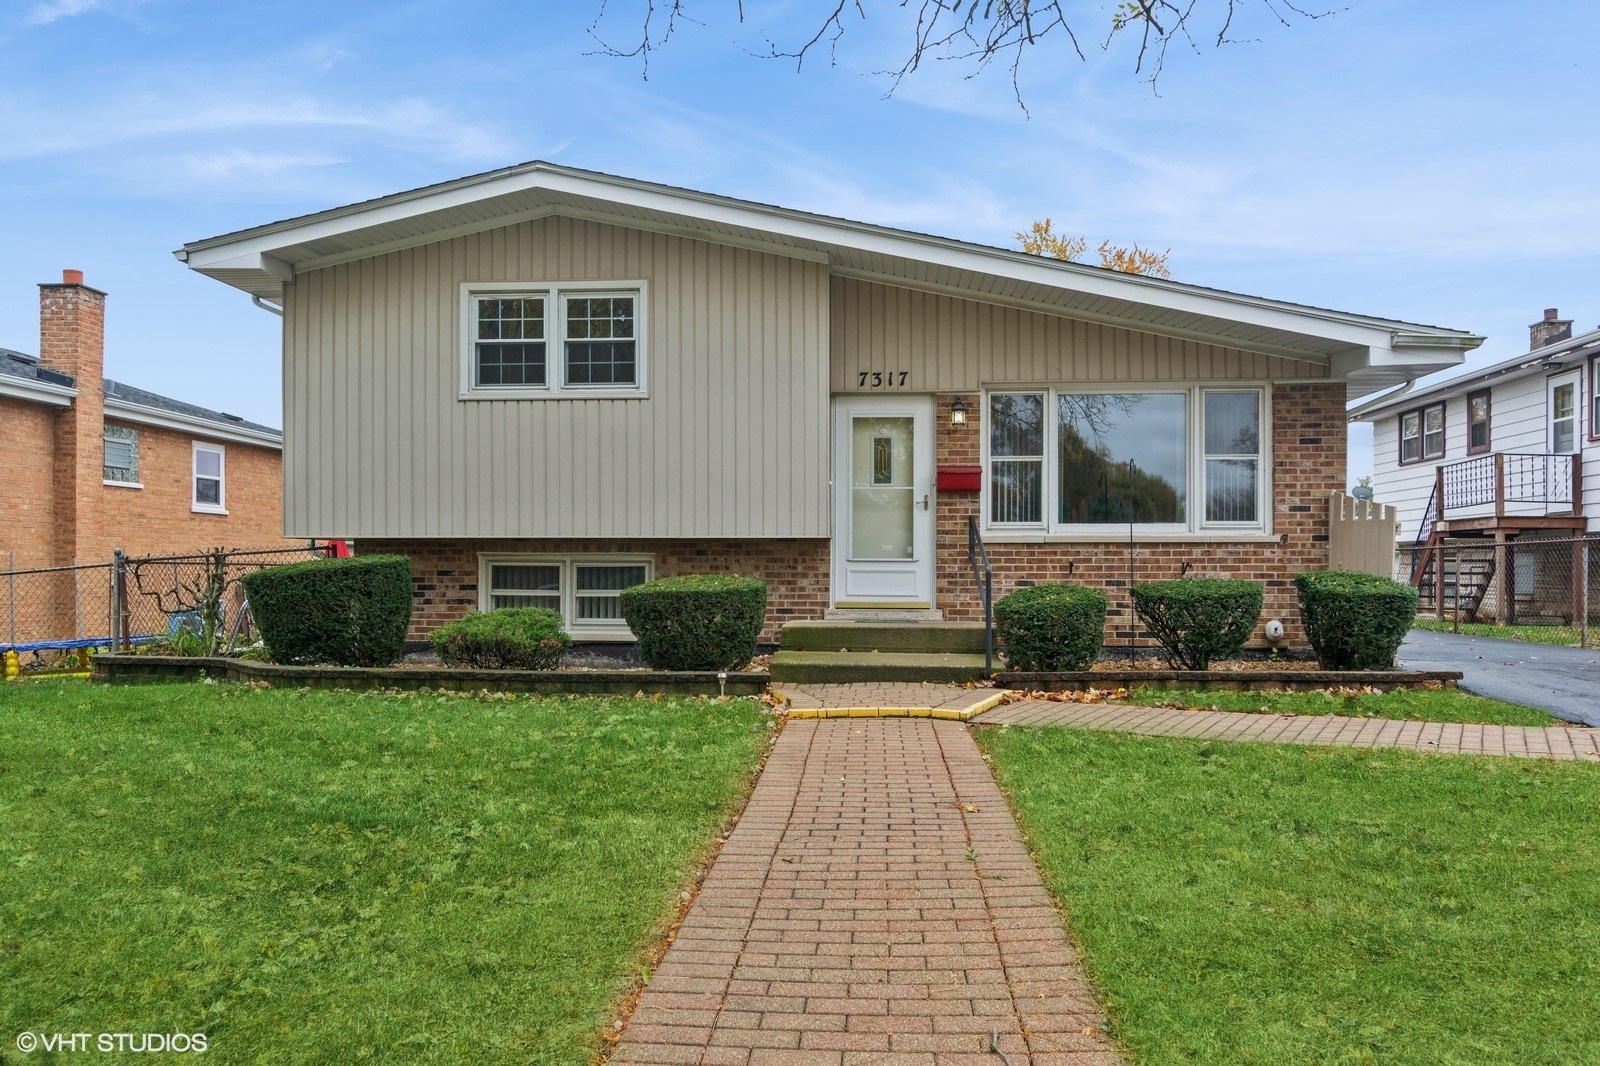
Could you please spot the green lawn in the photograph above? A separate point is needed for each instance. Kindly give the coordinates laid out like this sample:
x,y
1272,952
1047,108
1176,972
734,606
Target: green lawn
x,y
332,877
1403,704
1562,636
1251,903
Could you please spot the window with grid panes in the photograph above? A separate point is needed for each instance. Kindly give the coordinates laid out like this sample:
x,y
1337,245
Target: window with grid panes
x,y
564,339
584,590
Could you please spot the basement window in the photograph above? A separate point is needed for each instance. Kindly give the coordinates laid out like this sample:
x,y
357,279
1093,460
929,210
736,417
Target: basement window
x,y
585,590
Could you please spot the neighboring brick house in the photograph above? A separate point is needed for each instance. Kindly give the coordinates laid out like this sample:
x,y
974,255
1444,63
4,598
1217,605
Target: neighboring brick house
x,y
545,384
93,465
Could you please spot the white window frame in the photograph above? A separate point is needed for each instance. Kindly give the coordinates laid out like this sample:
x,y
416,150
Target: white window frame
x,y
1574,417
1422,435
133,444
221,506
554,294
590,630
1194,523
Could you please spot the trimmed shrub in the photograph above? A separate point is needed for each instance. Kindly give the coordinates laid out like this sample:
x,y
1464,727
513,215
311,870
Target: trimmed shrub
x,y
696,622
352,612
511,638
1355,621
1051,627
1196,620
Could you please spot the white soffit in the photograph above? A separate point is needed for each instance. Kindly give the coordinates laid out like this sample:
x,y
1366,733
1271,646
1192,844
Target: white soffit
x,y
260,261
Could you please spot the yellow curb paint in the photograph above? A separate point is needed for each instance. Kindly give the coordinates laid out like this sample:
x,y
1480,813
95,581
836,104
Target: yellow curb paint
x,y
863,712
985,705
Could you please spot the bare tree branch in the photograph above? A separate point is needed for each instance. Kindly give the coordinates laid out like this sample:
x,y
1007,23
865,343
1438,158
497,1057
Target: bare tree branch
x,y
982,32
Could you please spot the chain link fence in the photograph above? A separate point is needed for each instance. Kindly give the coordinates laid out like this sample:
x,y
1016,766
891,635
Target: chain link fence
x,y
54,613
1539,587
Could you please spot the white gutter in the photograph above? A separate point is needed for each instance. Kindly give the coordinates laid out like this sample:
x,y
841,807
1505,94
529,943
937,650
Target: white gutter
x,y
37,391
202,427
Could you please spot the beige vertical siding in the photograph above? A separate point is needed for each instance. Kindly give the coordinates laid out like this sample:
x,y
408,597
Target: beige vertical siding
x,y
732,440
947,344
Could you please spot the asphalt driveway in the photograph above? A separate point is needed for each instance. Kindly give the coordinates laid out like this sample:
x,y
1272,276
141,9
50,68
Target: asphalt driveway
x,y
1563,681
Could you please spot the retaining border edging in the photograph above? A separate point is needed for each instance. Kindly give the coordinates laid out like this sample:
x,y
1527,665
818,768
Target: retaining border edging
x,y
135,669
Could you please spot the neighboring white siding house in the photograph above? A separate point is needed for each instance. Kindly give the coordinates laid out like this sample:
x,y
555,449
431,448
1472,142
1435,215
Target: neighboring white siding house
x,y
1512,434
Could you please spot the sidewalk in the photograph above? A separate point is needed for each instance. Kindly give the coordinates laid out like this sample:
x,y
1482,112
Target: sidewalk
x,y
1556,742
875,904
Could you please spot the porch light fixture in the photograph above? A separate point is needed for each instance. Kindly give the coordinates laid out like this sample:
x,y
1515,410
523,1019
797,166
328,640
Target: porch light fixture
x,y
958,413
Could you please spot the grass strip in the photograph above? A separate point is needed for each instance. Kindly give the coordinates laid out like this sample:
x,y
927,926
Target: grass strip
x,y
1560,636
337,877
1254,903
1400,704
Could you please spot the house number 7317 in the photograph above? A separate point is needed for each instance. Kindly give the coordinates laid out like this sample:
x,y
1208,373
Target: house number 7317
x,y
882,379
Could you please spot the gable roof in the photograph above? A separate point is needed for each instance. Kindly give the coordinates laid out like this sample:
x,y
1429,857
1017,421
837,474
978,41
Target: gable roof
x,y
21,375
1550,358
1369,353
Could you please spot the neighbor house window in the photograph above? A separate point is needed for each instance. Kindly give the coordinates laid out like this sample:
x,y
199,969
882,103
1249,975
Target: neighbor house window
x,y
210,491
553,340
1594,397
1564,417
1422,434
1477,422
1172,460
122,455
584,590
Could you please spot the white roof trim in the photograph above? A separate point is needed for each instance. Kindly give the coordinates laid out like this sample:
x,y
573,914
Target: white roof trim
x,y
257,259
1538,360
199,427
37,391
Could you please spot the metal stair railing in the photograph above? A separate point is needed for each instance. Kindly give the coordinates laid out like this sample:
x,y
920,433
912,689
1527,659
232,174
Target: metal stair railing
x,y
983,577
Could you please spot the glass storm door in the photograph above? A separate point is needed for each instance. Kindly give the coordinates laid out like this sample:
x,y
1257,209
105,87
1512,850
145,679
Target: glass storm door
x,y
1563,400
883,503
1564,414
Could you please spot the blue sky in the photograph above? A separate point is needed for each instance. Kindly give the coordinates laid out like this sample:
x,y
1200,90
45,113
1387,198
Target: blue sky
x,y
1388,160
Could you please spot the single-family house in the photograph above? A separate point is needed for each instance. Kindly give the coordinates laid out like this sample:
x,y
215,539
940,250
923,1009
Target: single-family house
x,y
1508,455
93,465
545,384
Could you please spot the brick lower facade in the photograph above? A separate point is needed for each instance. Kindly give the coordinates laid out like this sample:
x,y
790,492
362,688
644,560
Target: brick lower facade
x,y
445,573
1308,428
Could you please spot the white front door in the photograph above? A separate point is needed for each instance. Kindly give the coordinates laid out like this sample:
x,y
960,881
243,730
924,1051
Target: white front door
x,y
883,502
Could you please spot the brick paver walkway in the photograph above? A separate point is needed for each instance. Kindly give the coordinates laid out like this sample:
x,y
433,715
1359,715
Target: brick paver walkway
x,y
887,699
1558,742
875,904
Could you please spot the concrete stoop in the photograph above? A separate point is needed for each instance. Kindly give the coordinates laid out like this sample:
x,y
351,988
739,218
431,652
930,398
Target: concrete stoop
x,y
837,652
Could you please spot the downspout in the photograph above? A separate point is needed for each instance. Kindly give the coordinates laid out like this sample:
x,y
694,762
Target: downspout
x,y
274,308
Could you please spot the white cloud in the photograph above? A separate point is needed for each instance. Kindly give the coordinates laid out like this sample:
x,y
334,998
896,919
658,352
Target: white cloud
x,y
49,10
233,163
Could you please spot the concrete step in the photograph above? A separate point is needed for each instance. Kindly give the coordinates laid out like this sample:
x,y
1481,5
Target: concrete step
x,y
836,667
908,637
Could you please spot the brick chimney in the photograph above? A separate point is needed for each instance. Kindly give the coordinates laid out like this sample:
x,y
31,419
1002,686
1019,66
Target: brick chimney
x,y
72,321
1551,330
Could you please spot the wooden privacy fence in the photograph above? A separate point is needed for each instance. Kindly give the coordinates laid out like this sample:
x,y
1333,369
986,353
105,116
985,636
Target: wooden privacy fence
x,y
1361,535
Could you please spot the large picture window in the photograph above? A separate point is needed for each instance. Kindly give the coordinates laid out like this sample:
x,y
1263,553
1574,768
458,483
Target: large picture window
x,y
553,340
1176,460
584,590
